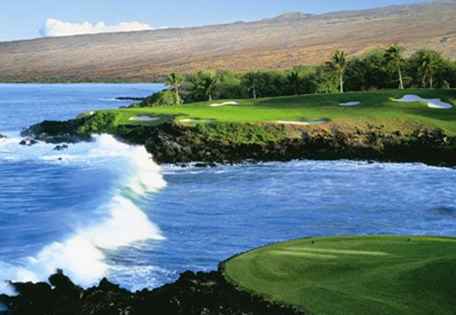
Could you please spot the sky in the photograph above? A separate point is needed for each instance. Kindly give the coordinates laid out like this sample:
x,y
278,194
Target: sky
x,y
24,19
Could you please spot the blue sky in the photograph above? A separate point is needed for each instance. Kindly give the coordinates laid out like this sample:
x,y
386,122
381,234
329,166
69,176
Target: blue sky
x,y
20,19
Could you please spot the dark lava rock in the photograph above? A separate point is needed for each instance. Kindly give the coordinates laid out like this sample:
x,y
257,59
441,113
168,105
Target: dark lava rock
x,y
231,143
61,147
28,142
205,165
192,294
56,132
170,143
130,98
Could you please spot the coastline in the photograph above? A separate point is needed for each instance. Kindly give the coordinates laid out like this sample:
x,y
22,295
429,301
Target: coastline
x,y
233,143
192,294
222,143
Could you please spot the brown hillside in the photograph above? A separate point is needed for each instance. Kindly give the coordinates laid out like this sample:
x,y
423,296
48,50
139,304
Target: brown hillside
x,y
279,42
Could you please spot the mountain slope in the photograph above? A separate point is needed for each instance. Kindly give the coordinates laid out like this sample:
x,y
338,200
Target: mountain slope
x,y
280,42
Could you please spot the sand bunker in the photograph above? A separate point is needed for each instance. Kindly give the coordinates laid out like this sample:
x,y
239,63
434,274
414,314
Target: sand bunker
x,y
409,99
224,104
435,103
302,123
349,104
144,118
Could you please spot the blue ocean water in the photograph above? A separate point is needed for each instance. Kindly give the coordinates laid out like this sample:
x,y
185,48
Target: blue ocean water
x,y
106,209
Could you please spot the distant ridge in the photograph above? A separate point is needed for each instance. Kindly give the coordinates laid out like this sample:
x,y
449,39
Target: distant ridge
x,y
290,16
289,39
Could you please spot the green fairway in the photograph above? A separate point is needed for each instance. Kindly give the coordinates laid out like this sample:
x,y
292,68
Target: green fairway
x,y
376,108
350,276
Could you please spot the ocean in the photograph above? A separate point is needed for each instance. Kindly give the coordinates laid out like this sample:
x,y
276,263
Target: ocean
x,y
106,209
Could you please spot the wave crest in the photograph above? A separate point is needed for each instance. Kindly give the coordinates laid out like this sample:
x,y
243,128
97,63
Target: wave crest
x,y
82,254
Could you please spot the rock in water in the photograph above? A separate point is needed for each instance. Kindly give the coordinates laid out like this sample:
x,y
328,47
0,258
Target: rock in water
x,y
61,147
28,142
130,98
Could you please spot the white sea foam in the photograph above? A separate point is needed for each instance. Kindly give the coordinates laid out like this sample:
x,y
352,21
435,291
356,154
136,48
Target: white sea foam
x,y
82,254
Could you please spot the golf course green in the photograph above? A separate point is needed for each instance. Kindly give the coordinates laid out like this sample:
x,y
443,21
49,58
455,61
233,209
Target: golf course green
x,y
376,107
353,275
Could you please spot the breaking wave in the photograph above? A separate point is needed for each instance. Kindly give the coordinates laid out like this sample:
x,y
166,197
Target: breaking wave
x,y
119,222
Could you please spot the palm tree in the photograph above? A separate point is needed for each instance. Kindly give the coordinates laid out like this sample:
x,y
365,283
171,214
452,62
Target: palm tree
x,y
339,64
210,82
250,80
429,60
174,81
393,57
294,80
203,85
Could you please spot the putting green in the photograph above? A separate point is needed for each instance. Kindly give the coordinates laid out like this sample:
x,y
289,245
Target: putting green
x,y
376,108
353,275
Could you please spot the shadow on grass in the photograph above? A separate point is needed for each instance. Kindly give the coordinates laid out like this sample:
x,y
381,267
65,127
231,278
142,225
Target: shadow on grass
x,y
446,115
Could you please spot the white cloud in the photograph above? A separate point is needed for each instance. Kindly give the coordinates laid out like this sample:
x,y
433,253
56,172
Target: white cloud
x,y
54,27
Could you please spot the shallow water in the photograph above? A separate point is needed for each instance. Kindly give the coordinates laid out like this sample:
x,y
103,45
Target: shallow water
x,y
106,209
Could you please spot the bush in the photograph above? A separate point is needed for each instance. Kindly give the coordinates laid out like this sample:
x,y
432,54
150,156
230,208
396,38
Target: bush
x,y
163,98
100,122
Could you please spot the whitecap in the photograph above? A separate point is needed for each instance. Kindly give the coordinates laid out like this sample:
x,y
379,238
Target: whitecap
x,y
82,254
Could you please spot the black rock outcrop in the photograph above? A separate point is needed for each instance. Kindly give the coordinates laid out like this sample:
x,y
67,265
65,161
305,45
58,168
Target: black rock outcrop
x,y
192,294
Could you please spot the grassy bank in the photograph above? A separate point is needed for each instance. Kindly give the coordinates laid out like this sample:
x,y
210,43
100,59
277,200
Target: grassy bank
x,y
279,129
365,275
376,108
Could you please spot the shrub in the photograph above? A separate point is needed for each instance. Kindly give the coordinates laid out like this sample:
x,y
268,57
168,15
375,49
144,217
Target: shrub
x,y
163,98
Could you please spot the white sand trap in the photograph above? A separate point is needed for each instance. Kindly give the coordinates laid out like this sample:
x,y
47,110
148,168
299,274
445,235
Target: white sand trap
x,y
301,123
410,99
144,118
224,104
349,104
438,104
435,103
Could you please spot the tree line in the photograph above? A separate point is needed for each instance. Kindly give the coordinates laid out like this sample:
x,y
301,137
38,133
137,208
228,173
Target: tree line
x,y
378,69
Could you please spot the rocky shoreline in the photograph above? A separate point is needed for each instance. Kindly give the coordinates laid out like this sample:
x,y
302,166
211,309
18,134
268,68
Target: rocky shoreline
x,y
230,143
192,294
227,143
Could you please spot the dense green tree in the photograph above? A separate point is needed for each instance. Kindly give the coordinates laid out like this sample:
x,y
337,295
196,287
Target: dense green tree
x,y
378,69
203,85
426,64
448,74
325,80
393,57
174,82
339,64
294,81
162,98
250,81
210,81
229,86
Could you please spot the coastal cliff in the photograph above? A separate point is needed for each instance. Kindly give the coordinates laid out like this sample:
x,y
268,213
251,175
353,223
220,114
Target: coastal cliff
x,y
220,142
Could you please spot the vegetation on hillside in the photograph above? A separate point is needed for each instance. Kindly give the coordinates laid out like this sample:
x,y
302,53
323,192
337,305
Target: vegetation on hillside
x,y
378,69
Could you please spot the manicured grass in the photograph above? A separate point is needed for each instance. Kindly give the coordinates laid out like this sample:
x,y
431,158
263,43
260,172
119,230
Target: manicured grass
x,y
377,108
354,275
